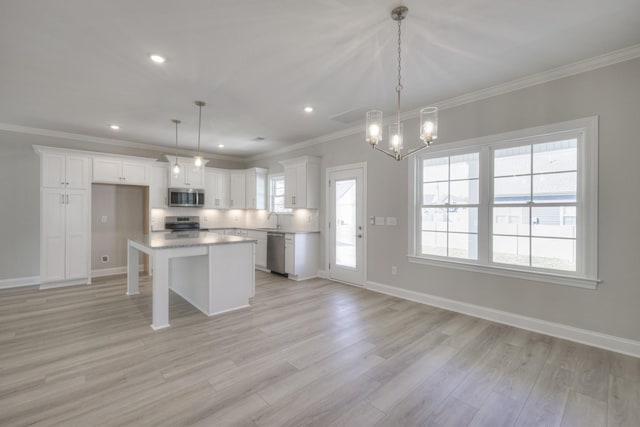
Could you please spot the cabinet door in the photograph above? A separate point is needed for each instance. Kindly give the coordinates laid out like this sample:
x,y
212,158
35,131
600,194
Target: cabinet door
x,y
237,190
77,234
136,173
53,171
300,199
107,170
261,253
52,235
194,177
290,185
158,188
77,172
210,186
289,255
250,189
222,190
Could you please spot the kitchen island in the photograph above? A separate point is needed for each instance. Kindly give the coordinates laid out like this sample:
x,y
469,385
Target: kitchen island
x,y
215,273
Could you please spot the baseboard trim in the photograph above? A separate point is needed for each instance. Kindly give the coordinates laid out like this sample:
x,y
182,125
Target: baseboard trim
x,y
322,274
102,272
19,281
62,284
558,330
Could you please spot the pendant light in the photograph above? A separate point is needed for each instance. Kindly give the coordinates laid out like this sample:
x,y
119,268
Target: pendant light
x,y
428,116
176,166
197,160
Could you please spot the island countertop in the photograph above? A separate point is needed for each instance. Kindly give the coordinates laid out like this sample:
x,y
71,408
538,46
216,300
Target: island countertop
x,y
183,239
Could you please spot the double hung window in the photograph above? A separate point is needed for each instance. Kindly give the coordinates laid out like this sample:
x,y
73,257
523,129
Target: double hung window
x,y
521,204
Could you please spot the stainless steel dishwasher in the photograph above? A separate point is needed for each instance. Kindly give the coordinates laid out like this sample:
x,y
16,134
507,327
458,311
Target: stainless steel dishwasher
x,y
275,252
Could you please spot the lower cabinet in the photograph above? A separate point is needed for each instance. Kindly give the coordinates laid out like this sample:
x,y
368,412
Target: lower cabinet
x,y
261,247
301,251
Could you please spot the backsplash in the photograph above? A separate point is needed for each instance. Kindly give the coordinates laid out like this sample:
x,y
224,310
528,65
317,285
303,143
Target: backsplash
x,y
300,219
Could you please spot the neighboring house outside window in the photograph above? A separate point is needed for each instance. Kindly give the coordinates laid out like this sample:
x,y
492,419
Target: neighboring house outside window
x,y
523,202
276,195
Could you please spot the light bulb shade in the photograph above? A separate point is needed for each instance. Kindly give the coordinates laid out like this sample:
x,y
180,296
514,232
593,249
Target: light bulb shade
x,y
374,127
428,124
197,161
395,137
176,169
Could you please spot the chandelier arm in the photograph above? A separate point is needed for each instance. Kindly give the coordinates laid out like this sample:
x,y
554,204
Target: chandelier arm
x,y
397,156
415,150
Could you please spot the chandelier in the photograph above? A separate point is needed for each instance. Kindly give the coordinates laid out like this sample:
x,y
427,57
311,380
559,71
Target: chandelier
x,y
428,116
197,160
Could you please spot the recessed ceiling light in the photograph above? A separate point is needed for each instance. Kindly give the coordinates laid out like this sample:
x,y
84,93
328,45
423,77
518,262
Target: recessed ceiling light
x,y
220,145
308,109
114,127
158,59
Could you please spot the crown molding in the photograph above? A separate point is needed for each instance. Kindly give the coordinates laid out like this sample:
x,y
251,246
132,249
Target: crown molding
x,y
594,63
107,141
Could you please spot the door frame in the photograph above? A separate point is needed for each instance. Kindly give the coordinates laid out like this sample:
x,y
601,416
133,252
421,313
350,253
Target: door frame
x,y
327,255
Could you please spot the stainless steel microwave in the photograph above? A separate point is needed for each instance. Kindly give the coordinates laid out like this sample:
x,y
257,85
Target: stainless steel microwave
x,y
186,197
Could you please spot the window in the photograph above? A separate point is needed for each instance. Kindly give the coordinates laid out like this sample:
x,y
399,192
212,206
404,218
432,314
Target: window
x,y
521,204
276,194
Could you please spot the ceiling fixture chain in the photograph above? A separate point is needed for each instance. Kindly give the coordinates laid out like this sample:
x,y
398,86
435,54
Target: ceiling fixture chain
x,y
176,165
197,160
428,116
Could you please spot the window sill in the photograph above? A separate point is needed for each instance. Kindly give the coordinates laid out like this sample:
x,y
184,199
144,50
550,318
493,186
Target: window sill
x,y
558,279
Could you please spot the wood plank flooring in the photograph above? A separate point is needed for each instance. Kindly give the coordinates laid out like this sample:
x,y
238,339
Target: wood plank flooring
x,y
309,353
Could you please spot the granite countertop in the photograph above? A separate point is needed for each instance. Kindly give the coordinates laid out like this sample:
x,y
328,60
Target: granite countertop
x,y
185,239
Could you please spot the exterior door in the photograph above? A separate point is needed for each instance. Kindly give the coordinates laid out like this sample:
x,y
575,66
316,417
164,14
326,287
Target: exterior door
x,y
347,224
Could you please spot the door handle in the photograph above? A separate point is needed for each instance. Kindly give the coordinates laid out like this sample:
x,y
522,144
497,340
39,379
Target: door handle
x,y
359,236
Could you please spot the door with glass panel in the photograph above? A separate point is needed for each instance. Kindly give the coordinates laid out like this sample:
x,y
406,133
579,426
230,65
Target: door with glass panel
x,y
346,225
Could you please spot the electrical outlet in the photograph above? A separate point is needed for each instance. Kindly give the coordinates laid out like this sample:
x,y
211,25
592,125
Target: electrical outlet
x,y
394,270
104,258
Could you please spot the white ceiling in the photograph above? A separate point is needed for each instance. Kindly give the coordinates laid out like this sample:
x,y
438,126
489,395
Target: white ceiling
x,y
78,65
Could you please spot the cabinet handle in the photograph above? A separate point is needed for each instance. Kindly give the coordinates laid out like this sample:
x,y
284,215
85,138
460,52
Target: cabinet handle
x,y
217,202
67,199
62,199
231,202
63,183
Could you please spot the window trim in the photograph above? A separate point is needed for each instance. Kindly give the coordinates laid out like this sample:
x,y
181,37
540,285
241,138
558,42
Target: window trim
x,y
270,199
586,275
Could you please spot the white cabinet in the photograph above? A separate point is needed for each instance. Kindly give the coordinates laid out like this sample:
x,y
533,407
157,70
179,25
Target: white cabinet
x,y
256,188
190,176
117,170
261,247
302,182
158,189
216,188
301,252
59,170
64,235
237,189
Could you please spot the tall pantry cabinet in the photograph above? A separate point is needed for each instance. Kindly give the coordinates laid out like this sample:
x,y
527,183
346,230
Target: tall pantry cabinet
x,y
65,230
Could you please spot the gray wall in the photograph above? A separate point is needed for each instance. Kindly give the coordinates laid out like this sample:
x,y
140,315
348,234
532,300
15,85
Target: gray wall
x,y
20,196
613,94
123,205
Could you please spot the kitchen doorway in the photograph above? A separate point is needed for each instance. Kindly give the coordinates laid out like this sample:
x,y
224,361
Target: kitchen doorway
x,y
346,223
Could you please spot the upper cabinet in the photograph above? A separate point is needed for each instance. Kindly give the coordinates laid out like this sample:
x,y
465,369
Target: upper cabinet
x,y
121,170
256,188
60,170
158,189
216,185
302,182
237,189
190,176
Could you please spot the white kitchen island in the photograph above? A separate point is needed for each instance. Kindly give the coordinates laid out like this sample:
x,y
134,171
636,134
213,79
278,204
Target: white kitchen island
x,y
213,272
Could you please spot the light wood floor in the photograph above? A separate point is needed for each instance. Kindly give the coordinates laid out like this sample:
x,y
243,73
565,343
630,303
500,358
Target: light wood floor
x,y
309,353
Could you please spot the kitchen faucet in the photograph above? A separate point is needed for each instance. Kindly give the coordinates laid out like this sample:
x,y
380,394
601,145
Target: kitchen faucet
x,y
277,219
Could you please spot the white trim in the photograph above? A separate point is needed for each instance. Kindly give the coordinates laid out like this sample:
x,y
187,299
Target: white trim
x,y
53,285
19,281
106,141
301,278
322,274
559,330
590,64
327,193
102,272
558,279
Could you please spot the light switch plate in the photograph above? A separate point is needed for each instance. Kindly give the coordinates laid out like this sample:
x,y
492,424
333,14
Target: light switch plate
x,y
391,220
379,220
103,219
